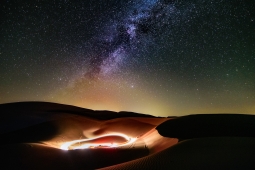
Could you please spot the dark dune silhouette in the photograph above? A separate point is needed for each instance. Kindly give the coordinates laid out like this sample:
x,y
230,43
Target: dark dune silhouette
x,y
35,107
41,135
23,114
208,125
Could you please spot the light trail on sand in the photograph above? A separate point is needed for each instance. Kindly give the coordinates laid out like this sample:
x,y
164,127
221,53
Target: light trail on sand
x,y
69,145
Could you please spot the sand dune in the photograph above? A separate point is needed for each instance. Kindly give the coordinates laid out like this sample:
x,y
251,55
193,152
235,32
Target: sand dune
x,y
209,125
33,135
34,140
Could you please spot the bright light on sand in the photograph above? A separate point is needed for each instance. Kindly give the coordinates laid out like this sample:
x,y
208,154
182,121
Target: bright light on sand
x,y
90,143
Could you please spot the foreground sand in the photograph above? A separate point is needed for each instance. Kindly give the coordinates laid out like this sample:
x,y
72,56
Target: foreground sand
x,y
32,134
202,153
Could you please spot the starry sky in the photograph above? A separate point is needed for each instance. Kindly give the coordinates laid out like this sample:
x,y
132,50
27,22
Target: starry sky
x,y
159,57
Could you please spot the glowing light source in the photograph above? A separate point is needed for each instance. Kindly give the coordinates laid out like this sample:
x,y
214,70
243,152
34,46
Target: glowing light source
x,y
89,143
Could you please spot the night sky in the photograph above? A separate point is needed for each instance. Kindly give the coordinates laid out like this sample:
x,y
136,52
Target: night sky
x,y
159,57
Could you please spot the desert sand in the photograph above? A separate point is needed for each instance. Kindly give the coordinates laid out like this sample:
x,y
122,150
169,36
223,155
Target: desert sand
x,y
41,135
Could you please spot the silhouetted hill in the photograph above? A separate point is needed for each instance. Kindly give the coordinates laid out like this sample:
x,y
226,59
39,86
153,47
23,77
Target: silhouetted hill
x,y
47,107
14,116
208,125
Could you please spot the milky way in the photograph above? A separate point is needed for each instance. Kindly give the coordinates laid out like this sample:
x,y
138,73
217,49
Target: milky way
x,y
161,57
131,33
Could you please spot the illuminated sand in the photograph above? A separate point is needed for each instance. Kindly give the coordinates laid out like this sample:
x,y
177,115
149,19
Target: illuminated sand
x,y
135,133
123,133
80,140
